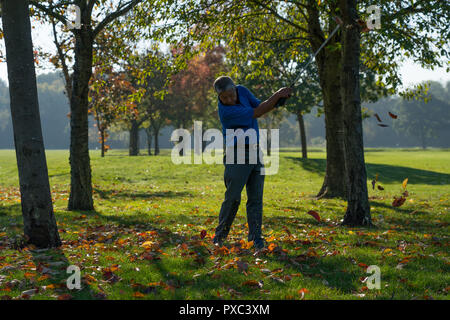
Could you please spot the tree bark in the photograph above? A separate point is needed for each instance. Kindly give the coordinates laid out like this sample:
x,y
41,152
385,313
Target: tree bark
x,y
148,131
134,139
39,221
358,207
102,135
80,164
156,134
301,125
329,64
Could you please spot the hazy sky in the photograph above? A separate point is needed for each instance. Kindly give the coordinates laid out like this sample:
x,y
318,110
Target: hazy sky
x,y
410,73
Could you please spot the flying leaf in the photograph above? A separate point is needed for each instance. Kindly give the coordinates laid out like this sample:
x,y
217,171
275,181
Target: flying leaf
x,y
382,125
203,234
405,182
393,116
314,214
378,117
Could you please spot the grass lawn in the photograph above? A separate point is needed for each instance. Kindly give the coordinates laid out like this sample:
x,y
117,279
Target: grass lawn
x,y
143,240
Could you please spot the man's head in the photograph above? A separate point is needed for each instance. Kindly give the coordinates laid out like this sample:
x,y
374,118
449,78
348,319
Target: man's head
x,y
226,90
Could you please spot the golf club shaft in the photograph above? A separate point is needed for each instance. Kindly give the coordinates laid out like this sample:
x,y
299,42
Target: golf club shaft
x,y
282,101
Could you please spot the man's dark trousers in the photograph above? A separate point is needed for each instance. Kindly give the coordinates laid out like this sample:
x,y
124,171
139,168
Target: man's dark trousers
x,y
236,176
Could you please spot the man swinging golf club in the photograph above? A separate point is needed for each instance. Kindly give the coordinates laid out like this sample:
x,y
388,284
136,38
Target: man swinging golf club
x,y
239,109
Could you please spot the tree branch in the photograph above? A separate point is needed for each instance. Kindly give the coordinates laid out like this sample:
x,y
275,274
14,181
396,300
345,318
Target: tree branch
x,y
276,14
62,59
49,10
121,10
278,40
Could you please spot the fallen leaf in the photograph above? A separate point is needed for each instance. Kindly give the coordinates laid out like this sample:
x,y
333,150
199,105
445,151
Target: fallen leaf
x,y
65,296
271,247
398,201
315,214
242,266
253,283
138,295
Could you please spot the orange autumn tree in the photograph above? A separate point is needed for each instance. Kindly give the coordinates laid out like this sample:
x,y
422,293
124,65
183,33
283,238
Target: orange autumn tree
x,y
192,88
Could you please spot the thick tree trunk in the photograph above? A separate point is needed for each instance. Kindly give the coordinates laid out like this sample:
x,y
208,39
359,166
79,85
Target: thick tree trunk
x,y
134,139
80,164
358,207
328,63
301,125
148,131
334,184
37,209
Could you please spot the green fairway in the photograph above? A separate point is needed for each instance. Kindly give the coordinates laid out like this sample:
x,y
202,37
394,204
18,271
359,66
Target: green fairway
x,y
143,240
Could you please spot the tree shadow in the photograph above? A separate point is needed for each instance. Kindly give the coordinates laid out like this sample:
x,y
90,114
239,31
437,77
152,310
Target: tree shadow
x,y
107,194
387,173
53,263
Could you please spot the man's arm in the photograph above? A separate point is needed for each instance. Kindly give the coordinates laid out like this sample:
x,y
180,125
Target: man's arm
x,y
270,103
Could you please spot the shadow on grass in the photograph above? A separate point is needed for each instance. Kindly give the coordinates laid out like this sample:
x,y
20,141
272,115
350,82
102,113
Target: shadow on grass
x,y
207,287
330,268
387,173
53,263
107,194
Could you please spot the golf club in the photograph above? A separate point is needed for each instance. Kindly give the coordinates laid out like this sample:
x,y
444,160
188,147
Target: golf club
x,y
339,22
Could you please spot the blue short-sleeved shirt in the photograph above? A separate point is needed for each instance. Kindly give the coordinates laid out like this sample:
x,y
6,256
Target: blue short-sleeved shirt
x,y
239,115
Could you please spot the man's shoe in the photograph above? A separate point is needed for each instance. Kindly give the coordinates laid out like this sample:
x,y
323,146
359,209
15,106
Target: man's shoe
x,y
218,242
259,244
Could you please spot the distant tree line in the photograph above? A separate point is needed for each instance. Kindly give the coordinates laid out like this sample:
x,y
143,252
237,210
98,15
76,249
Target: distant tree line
x,y
54,110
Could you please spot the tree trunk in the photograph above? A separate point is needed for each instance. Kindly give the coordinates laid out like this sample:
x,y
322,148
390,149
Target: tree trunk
x,y
328,64
80,163
422,137
301,124
37,209
334,184
156,134
102,136
134,139
148,131
358,207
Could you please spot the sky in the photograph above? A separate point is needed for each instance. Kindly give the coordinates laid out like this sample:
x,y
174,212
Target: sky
x,y
411,73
